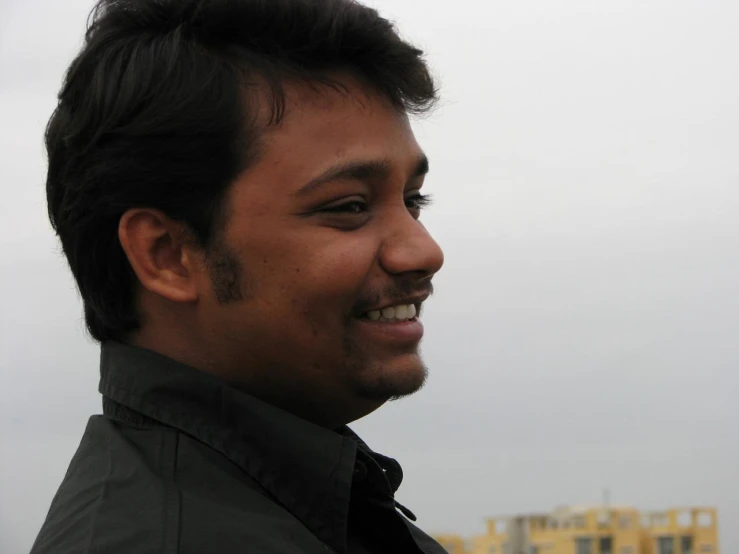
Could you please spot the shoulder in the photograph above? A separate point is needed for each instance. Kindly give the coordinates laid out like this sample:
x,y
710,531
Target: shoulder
x,y
155,490
115,494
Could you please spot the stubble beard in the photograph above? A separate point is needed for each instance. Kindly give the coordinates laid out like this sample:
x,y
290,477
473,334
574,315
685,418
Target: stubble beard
x,y
374,382
371,380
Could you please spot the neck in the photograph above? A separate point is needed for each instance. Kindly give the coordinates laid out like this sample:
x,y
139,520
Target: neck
x,y
326,406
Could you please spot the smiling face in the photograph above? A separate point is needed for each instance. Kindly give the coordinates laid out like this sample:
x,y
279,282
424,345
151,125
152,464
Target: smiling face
x,y
310,300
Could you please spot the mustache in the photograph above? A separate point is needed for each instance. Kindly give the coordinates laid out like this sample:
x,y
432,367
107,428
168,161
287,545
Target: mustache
x,y
394,293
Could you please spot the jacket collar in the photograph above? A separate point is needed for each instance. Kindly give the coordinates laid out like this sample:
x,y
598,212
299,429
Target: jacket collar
x,y
306,468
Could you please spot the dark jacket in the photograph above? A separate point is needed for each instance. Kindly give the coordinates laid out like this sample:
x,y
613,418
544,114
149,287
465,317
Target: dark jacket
x,y
182,463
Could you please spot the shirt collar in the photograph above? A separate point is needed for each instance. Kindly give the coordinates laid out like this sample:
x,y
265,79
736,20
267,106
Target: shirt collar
x,y
306,468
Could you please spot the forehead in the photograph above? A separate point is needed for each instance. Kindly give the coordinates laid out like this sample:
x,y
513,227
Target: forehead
x,y
323,126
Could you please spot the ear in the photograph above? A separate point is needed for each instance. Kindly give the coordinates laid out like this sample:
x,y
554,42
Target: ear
x,y
163,260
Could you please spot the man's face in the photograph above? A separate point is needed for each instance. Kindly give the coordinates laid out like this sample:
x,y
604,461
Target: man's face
x,y
331,261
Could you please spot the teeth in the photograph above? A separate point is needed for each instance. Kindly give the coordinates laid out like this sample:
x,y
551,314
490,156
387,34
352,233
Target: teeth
x,y
394,313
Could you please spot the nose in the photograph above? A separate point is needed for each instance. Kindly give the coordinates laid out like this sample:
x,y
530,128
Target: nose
x,y
410,249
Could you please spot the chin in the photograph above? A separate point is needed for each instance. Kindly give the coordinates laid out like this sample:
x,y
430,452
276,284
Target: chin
x,y
385,383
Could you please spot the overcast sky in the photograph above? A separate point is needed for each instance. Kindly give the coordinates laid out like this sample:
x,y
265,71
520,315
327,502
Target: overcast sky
x,y
585,332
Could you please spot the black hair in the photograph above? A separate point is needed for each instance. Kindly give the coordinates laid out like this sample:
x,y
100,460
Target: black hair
x,y
152,113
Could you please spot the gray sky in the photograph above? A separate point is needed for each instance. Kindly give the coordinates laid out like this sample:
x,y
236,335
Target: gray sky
x,y
584,333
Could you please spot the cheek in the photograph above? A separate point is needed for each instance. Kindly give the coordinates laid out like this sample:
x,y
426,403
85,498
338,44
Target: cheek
x,y
302,271
318,283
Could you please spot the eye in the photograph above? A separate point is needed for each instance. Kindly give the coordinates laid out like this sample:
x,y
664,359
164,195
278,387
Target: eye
x,y
418,201
352,207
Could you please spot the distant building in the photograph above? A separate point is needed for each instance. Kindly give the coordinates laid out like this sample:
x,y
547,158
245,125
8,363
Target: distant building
x,y
453,544
680,531
595,530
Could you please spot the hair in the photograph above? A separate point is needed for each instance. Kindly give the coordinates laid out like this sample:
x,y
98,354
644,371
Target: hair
x,y
153,113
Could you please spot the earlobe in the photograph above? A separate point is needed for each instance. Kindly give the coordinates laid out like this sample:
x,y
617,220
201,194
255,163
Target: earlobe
x,y
159,254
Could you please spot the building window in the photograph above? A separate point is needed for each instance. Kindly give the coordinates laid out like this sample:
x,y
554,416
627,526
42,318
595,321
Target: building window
x,y
492,549
579,522
665,545
684,518
606,545
624,522
705,519
584,546
506,548
686,544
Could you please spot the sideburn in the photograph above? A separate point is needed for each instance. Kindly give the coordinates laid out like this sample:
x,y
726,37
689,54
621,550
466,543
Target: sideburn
x,y
225,274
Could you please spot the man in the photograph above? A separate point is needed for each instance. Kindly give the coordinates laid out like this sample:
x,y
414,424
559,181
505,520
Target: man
x,y
237,190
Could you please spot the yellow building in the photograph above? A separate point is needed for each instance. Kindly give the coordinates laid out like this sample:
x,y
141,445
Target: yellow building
x,y
493,540
680,531
453,544
601,530
571,530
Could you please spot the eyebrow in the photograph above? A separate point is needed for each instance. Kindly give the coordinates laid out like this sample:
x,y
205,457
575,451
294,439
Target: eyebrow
x,y
361,170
